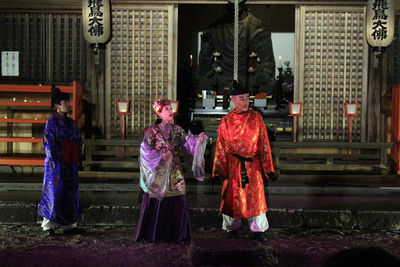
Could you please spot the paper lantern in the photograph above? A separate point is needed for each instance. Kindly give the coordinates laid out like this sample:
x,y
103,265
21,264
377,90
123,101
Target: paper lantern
x,y
123,107
295,108
175,106
295,111
96,21
380,23
350,109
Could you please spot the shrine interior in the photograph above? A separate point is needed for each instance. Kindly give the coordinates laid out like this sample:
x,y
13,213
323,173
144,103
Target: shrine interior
x,y
193,20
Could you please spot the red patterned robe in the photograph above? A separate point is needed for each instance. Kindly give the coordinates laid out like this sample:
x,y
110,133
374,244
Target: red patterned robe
x,y
245,135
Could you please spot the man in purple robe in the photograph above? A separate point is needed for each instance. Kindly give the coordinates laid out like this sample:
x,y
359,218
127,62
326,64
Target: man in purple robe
x,y
59,205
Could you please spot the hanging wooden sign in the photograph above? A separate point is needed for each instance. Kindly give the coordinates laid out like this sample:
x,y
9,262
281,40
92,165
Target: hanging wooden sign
x,y
96,20
380,22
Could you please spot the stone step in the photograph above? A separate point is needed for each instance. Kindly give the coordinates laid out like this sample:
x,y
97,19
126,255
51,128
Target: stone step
x,y
274,189
25,213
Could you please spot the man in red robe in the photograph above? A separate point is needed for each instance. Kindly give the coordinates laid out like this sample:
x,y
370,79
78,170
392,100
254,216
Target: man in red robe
x,y
242,159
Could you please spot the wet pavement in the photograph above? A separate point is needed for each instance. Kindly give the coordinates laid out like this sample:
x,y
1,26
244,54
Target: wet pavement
x,y
311,218
25,245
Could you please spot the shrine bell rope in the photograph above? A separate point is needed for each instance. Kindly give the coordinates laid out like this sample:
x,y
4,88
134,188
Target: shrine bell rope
x,y
236,41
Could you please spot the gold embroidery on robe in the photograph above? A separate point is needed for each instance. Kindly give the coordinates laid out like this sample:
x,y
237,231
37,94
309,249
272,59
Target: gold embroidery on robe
x,y
245,135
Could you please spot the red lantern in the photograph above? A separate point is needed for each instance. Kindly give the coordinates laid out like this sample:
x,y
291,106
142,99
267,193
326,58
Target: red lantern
x,y
295,111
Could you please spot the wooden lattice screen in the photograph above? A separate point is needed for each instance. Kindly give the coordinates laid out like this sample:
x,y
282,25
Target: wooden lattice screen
x,y
394,57
141,59
51,47
332,71
51,50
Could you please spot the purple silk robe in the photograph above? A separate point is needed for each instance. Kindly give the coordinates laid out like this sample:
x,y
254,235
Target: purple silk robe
x,y
60,194
160,166
164,214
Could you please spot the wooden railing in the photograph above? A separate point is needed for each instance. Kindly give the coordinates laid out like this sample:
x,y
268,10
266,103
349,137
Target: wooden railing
x,y
11,158
111,153
331,156
116,158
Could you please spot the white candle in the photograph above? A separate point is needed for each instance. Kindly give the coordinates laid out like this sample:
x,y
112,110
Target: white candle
x,y
280,62
191,60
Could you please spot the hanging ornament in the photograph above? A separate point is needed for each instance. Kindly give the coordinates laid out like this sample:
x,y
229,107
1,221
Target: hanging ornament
x,y
96,21
379,27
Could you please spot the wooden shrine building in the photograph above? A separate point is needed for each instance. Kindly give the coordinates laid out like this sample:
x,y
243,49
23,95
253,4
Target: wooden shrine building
x,y
153,52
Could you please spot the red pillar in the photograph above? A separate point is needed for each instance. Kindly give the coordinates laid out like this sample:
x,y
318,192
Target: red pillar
x,y
396,127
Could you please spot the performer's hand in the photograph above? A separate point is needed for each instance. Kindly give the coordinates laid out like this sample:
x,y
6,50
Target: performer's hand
x,y
166,155
202,136
179,184
272,176
222,178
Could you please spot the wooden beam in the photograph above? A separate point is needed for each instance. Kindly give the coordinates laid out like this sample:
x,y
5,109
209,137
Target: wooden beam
x,y
29,88
113,164
46,6
21,139
102,174
326,167
19,103
323,145
21,161
23,121
60,6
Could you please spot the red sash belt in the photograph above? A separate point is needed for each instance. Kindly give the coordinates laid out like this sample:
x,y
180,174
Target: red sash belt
x,y
70,153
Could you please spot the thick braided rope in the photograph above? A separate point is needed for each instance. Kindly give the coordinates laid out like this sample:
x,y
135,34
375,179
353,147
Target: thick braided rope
x,y
236,41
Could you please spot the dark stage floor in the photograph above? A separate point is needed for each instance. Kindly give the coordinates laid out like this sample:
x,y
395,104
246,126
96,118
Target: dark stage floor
x,y
113,246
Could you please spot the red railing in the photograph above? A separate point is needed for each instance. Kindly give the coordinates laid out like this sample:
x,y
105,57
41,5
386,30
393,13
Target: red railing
x,y
76,103
396,127
75,90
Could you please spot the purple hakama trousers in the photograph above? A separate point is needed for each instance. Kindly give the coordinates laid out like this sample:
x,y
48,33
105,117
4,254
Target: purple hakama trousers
x,y
164,220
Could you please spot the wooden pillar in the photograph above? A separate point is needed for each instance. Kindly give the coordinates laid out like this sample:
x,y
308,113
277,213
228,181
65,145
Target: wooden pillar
x,y
376,86
96,85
